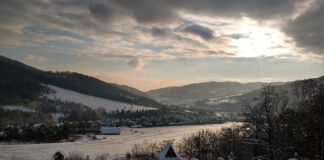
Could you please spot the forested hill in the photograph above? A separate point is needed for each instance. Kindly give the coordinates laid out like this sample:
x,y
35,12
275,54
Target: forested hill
x,y
20,81
192,93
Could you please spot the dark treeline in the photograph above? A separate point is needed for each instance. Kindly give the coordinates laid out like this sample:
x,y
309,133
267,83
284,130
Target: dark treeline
x,y
43,111
48,132
40,133
271,130
123,114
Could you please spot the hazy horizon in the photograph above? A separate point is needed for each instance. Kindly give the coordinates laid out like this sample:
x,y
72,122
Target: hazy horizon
x,y
189,83
150,45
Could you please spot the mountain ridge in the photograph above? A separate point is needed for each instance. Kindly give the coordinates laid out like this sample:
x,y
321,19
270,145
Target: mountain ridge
x,y
232,102
192,93
24,81
198,91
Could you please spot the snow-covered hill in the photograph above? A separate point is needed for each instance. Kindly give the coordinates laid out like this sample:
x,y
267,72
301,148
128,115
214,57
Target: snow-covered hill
x,y
91,101
192,93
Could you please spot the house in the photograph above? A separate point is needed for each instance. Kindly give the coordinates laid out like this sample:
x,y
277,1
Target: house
x,y
295,156
58,156
168,153
3,134
231,156
110,130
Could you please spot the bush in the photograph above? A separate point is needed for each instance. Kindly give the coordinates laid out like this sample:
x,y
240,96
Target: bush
x,y
75,156
204,144
148,151
102,157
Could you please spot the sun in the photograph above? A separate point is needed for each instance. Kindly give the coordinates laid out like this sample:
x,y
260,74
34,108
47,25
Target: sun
x,y
258,42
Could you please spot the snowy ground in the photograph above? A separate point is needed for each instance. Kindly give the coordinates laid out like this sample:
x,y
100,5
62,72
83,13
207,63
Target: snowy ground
x,y
21,108
113,144
91,101
226,99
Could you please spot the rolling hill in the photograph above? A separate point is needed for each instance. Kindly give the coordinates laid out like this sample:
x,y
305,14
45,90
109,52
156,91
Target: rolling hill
x,y
222,96
192,93
20,81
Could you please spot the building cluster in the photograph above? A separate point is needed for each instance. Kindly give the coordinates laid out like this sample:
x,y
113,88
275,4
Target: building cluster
x,y
169,120
66,131
41,132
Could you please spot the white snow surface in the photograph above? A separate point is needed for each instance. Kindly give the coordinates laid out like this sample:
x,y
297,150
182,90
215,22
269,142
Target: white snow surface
x,y
91,101
57,115
112,144
20,108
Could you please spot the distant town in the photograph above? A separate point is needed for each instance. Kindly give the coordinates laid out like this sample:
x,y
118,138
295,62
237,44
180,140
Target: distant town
x,y
68,131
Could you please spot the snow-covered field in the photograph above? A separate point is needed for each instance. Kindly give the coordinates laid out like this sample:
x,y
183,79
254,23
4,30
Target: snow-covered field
x,y
113,144
226,99
91,101
220,101
21,108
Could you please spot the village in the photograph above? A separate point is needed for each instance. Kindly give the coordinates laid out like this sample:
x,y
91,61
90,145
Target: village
x,y
69,131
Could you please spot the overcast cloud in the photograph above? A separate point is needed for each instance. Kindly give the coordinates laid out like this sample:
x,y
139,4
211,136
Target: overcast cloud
x,y
135,32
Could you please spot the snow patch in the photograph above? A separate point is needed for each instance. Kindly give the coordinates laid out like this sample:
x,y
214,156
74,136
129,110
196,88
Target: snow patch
x,y
220,101
20,108
58,115
91,101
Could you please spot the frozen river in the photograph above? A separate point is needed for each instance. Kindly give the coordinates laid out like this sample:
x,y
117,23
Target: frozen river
x,y
113,144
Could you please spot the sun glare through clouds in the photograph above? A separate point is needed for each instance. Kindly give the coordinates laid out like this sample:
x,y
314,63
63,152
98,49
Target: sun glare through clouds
x,y
260,42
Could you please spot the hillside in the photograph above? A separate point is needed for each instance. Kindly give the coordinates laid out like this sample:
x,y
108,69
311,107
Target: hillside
x,y
221,96
191,93
234,103
20,81
91,101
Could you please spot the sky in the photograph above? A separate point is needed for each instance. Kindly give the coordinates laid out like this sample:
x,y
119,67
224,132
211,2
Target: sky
x,y
149,44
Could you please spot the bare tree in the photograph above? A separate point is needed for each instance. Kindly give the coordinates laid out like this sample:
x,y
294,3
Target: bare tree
x,y
311,96
209,145
261,124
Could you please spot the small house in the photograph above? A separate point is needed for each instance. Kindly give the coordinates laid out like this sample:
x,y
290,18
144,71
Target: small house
x,y
58,156
168,153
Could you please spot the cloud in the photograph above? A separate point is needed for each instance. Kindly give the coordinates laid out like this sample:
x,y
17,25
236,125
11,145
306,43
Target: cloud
x,y
308,29
67,16
86,18
100,11
35,58
222,53
160,32
135,32
163,11
148,11
256,9
235,35
135,63
107,21
204,32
